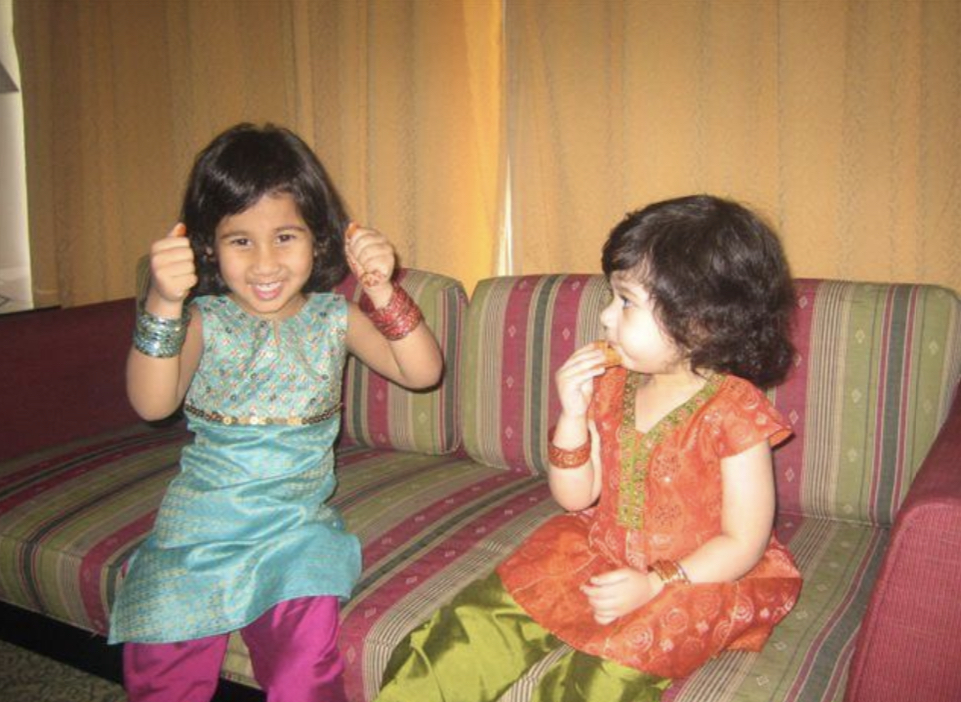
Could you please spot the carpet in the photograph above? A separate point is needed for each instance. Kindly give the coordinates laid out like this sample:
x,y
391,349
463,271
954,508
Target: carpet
x,y
28,677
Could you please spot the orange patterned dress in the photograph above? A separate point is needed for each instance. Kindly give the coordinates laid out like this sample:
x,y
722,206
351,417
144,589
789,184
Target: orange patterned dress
x,y
663,502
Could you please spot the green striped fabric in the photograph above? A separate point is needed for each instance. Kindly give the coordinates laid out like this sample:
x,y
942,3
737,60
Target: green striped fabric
x,y
379,413
70,517
876,371
428,524
808,654
518,332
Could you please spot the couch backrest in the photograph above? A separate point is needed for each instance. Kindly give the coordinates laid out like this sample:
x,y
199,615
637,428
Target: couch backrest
x,y
63,375
877,367
380,414
519,331
876,370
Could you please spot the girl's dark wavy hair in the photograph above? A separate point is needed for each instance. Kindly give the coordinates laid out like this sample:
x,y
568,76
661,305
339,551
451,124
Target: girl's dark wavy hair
x,y
718,281
239,167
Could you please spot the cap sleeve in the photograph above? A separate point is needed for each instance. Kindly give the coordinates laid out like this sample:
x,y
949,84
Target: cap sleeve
x,y
747,418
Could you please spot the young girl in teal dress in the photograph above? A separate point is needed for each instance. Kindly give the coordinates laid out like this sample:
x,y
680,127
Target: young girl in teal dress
x,y
241,328
666,555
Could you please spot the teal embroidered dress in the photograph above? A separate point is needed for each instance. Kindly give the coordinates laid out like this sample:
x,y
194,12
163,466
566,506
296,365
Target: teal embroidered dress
x,y
246,524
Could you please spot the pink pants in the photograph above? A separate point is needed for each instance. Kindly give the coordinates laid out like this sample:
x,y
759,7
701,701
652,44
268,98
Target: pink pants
x,y
293,650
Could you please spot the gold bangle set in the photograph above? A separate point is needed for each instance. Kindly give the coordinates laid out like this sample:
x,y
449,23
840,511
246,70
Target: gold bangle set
x,y
670,572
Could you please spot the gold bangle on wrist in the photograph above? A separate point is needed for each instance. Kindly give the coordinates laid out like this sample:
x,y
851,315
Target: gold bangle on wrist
x,y
670,572
565,459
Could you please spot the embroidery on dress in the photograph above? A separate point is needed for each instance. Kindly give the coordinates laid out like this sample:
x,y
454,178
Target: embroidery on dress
x,y
637,448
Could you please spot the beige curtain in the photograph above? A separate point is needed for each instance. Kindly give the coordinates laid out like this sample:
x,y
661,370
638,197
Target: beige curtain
x,y
400,99
838,119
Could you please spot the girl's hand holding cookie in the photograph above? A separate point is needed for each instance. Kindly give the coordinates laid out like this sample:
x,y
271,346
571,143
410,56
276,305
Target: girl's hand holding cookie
x,y
172,268
371,258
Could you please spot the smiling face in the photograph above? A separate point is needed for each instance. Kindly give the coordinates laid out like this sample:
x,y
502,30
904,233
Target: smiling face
x,y
632,328
266,255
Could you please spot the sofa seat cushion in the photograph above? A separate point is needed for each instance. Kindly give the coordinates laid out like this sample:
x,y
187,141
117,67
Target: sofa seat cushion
x,y
807,656
70,517
428,525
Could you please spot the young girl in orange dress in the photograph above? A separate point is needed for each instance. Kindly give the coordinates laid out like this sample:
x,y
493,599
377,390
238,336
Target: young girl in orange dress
x,y
666,555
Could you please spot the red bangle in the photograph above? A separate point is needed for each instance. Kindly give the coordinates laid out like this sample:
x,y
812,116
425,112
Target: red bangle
x,y
566,459
398,318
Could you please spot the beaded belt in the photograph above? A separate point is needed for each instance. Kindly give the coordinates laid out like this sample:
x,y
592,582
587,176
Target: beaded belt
x,y
263,421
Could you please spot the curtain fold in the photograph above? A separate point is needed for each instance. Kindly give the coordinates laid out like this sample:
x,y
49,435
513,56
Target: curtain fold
x,y
838,119
401,100
408,100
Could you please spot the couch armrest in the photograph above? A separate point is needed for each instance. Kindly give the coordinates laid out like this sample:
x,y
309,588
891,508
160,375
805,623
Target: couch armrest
x,y
907,648
63,374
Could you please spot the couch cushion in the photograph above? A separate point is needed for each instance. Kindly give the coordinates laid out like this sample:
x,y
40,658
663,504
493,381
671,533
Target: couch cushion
x,y
807,656
519,330
381,414
875,374
876,371
428,525
70,517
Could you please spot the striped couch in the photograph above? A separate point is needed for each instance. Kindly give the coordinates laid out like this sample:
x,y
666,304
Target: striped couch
x,y
441,486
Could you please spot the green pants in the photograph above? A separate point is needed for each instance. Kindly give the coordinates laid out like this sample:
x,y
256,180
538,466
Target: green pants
x,y
475,648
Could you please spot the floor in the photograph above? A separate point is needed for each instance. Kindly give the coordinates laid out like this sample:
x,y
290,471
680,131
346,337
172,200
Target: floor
x,y
28,677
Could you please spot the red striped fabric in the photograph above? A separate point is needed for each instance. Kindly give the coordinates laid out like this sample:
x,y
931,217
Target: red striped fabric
x,y
380,414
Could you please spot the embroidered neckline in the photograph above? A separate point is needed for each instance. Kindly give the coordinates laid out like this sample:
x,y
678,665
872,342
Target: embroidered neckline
x,y
637,448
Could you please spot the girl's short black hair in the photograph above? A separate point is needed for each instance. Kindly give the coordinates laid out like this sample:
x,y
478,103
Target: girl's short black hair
x,y
718,281
239,167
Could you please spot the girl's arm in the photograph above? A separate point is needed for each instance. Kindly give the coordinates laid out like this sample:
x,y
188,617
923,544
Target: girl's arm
x,y
747,518
156,386
413,361
577,487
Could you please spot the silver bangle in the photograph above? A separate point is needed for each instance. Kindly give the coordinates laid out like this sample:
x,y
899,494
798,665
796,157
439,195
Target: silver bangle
x,y
160,337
